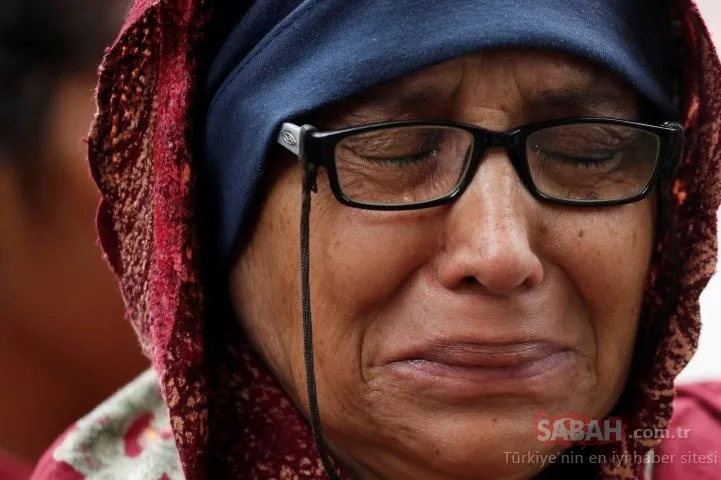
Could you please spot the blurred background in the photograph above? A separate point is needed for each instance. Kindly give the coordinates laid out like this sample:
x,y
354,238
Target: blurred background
x,y
64,346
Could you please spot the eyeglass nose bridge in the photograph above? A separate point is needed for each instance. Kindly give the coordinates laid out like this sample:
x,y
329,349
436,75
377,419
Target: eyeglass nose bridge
x,y
487,139
510,142
490,139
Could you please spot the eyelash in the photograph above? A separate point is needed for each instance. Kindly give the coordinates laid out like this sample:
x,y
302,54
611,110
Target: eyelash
x,y
576,161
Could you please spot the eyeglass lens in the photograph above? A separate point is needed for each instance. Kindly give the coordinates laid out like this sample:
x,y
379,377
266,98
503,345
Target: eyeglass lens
x,y
413,164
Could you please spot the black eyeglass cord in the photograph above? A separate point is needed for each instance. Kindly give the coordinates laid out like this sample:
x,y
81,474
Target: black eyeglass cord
x,y
309,174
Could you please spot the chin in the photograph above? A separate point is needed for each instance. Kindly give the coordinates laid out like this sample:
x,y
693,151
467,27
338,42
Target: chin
x,y
502,437
483,443
492,448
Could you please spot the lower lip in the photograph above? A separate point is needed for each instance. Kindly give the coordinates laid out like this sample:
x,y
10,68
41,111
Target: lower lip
x,y
534,377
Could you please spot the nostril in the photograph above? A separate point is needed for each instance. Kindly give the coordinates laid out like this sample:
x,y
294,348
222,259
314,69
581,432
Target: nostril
x,y
491,272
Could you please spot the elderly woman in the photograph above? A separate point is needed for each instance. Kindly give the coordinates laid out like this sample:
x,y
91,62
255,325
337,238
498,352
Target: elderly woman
x,y
513,215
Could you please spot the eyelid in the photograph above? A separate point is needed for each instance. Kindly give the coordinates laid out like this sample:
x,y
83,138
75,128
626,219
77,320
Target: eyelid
x,y
423,139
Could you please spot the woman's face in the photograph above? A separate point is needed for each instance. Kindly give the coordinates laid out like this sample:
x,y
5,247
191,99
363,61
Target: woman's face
x,y
441,334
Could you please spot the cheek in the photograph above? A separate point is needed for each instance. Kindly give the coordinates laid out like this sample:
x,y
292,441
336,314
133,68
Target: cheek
x,y
605,256
363,256
357,259
265,282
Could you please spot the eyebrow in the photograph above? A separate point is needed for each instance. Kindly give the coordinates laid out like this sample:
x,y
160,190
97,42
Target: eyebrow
x,y
581,97
576,100
598,99
391,98
397,98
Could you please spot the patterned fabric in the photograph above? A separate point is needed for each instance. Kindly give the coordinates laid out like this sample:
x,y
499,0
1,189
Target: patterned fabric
x,y
127,437
228,416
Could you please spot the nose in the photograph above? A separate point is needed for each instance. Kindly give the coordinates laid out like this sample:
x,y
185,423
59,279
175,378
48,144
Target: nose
x,y
487,240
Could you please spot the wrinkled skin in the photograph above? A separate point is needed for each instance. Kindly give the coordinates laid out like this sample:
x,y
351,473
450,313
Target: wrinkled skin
x,y
496,270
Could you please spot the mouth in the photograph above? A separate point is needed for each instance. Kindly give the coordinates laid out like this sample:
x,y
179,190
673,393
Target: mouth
x,y
456,370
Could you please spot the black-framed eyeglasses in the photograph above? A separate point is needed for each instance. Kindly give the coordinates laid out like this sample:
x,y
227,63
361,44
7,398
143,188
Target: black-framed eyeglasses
x,y
418,164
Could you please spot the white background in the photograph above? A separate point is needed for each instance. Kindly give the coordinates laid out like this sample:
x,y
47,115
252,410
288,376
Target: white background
x,y
707,362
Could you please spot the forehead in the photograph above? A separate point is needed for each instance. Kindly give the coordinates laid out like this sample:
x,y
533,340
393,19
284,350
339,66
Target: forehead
x,y
508,80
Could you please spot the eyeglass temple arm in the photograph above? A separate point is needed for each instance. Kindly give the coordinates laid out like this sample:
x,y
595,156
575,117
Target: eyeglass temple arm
x,y
289,137
679,138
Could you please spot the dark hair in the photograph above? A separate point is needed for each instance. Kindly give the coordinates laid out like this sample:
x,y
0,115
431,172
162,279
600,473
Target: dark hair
x,y
41,41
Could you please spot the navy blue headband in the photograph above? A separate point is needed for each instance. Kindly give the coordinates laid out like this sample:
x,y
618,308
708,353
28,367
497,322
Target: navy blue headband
x,y
286,58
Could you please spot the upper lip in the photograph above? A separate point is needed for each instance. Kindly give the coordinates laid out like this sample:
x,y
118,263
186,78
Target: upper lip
x,y
465,353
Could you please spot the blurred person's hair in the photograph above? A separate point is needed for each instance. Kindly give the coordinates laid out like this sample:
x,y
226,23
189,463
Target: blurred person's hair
x,y
43,42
